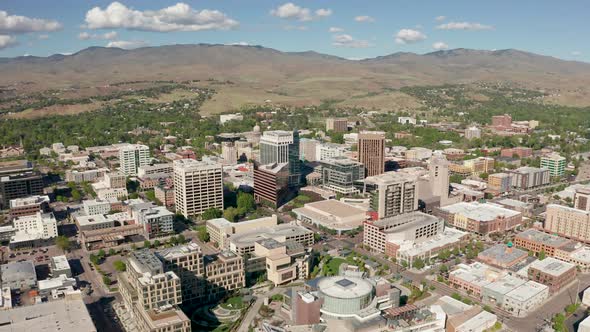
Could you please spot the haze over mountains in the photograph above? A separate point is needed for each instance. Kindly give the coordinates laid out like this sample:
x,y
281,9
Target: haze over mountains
x,y
294,74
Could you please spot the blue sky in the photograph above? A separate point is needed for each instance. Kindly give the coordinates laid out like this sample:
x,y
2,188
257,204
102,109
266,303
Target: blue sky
x,y
351,29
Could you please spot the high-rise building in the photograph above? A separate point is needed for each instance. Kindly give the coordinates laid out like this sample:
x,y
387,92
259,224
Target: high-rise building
x,y
371,152
568,222
472,133
582,199
554,163
338,125
133,156
307,149
340,173
499,183
229,153
392,194
438,169
330,150
271,184
198,186
279,147
529,177
19,186
156,220
151,296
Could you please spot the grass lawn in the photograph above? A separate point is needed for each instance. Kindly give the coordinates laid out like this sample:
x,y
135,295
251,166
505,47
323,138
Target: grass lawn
x,y
233,303
334,264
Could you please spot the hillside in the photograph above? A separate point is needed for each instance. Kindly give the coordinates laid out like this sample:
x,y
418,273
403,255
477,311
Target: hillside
x,y
257,73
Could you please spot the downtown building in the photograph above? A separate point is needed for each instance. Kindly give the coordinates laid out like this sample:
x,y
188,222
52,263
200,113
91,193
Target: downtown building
x,y
278,147
271,184
198,186
371,152
340,173
18,186
568,222
525,178
339,125
391,194
479,218
133,156
554,163
151,295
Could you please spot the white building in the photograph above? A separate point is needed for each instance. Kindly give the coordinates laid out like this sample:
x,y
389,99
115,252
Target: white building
x,y
406,120
164,168
275,145
111,193
198,186
525,298
223,118
94,206
156,221
132,157
472,132
42,224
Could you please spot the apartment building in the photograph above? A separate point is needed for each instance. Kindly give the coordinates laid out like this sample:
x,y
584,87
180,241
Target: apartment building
x,y
529,177
165,194
499,183
186,261
133,156
392,193
371,151
409,226
151,295
340,173
225,273
480,218
479,165
157,221
568,222
554,163
198,186
339,125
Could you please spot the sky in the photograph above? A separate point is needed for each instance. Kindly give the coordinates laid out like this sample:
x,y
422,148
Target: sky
x,y
345,28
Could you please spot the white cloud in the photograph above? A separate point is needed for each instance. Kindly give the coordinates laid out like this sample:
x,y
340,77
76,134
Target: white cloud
x,y
345,40
295,27
440,18
105,36
364,18
7,41
335,29
464,26
440,46
322,12
408,36
127,44
576,53
23,24
43,37
291,11
180,17
240,43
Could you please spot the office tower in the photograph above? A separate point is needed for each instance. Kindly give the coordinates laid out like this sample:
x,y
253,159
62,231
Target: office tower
x,y
229,153
582,199
279,147
307,149
371,152
19,186
151,296
340,173
198,186
271,184
554,163
439,176
133,156
337,124
392,194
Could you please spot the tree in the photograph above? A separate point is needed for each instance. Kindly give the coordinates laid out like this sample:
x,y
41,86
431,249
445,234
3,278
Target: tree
x,y
63,243
211,213
443,268
112,252
119,266
231,214
484,176
181,239
76,195
246,202
147,244
107,281
542,255
418,263
94,259
203,235
101,254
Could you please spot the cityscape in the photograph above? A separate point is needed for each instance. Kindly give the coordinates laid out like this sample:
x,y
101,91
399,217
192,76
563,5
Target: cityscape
x,y
239,188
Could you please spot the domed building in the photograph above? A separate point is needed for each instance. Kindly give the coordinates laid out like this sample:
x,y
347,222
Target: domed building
x,y
345,296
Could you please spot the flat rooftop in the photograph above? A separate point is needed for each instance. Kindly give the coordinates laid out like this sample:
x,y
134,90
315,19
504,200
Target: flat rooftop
x,y
179,251
344,287
552,266
335,208
501,253
279,232
505,285
532,234
480,211
526,291
66,315
15,271
478,274
514,203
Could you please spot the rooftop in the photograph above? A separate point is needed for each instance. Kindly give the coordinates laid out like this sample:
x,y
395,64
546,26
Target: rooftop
x,y
144,261
503,254
532,234
552,266
178,251
32,200
480,211
505,284
477,273
60,262
344,287
278,233
526,291
15,271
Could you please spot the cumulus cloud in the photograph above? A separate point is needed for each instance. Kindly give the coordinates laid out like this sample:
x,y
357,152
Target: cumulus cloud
x,y
344,40
335,29
291,11
7,41
127,44
464,26
13,24
440,46
180,17
364,18
440,18
409,36
105,36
